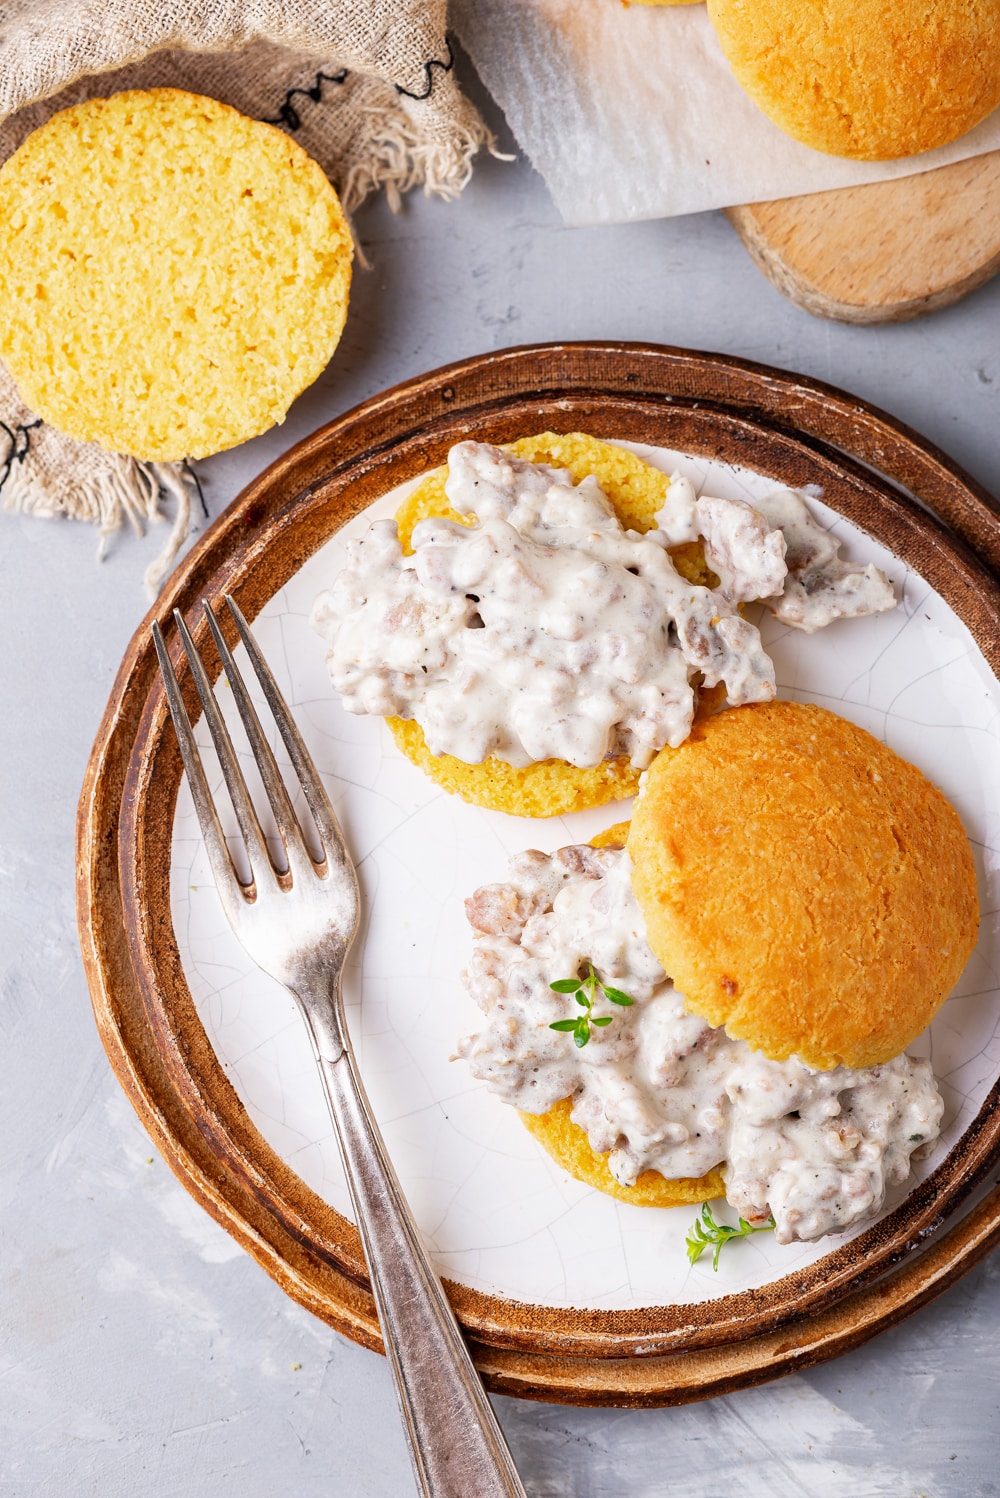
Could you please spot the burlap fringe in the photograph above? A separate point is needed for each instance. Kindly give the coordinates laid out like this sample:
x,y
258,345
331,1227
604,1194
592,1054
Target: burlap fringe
x,y
122,489
400,159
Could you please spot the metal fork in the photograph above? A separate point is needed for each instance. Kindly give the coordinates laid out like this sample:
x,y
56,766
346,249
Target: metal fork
x,y
298,925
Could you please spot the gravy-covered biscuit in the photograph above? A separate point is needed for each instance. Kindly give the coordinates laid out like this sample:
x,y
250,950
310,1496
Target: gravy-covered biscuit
x,y
172,273
863,78
577,1005
550,787
802,885
569,1146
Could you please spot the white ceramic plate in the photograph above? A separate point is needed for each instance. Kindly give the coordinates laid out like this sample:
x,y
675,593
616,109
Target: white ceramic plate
x,y
498,1214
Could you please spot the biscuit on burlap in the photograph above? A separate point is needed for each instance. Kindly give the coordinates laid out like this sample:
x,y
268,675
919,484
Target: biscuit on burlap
x,y
569,1146
172,273
802,885
864,78
550,787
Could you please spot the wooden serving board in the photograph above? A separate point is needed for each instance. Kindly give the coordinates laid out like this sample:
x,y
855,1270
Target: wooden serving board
x,y
884,252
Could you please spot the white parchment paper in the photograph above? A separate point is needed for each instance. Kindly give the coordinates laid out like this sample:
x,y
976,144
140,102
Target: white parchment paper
x,y
631,112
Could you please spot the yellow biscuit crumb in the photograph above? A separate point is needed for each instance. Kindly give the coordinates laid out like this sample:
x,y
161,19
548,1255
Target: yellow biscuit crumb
x,y
549,788
172,273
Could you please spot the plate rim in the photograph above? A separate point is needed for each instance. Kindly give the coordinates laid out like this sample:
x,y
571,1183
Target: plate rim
x,y
169,1076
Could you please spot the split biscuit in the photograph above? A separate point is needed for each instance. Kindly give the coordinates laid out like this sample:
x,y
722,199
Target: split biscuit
x,y
550,787
803,886
172,273
569,1146
863,78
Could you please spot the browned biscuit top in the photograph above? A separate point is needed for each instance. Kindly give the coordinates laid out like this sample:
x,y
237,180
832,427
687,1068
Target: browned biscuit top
x,y
803,885
863,78
550,787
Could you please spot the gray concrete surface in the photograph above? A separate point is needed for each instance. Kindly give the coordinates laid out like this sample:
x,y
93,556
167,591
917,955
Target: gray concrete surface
x,y
141,1352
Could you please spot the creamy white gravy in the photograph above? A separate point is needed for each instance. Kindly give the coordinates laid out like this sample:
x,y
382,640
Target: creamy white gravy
x,y
775,550
545,630
659,1088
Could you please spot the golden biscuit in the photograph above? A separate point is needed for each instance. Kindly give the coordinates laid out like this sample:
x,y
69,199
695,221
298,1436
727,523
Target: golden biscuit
x,y
864,78
549,788
172,274
569,1146
802,885
611,837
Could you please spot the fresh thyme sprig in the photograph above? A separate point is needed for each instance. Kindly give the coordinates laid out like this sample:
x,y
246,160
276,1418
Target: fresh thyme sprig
x,y
585,991
707,1232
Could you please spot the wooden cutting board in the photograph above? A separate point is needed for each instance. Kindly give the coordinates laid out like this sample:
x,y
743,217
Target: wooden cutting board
x,y
885,252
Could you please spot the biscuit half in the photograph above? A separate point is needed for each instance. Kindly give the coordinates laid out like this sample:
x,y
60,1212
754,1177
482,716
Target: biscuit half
x,y
172,273
803,885
551,787
863,78
569,1146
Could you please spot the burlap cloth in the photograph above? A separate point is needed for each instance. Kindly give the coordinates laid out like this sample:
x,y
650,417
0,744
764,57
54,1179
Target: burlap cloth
x,y
365,86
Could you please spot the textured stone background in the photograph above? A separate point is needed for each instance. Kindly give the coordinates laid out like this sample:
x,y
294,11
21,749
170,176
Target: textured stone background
x,y
142,1353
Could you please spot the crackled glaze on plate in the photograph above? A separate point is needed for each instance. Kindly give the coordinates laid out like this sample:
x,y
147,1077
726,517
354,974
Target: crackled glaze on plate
x,y
497,1213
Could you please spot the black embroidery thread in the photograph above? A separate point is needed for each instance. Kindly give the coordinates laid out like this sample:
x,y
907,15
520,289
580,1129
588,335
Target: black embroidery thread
x,y
189,470
20,443
288,115
435,62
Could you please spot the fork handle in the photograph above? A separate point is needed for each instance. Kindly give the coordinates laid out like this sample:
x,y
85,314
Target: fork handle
x,y
456,1445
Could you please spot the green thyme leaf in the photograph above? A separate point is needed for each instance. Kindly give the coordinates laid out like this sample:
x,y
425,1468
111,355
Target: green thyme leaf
x,y
586,991
705,1233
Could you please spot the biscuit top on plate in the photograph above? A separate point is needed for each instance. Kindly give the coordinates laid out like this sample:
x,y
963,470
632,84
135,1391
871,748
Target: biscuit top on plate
x,y
803,885
172,273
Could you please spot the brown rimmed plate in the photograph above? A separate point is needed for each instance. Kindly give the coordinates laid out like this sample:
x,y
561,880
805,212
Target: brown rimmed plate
x,y
796,432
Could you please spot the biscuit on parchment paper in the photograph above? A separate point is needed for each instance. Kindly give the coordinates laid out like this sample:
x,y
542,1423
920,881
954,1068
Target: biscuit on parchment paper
x,y
864,78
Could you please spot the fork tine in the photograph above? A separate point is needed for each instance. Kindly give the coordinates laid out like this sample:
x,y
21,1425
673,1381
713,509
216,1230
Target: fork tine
x,y
250,827
312,787
274,786
208,820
